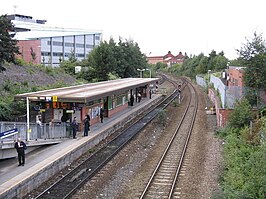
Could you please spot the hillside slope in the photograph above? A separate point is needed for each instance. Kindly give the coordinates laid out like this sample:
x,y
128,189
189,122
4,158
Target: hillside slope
x,y
35,75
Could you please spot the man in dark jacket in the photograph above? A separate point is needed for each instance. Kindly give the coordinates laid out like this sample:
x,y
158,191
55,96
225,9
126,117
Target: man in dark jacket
x,y
86,125
75,127
20,146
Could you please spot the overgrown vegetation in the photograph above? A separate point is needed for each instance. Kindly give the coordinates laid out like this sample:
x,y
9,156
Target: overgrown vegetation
x,y
162,117
10,109
244,173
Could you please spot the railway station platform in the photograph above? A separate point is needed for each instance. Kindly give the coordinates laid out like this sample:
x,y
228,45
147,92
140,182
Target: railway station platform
x,y
43,163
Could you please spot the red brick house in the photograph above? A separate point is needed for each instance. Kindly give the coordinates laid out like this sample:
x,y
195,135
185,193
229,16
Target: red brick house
x,y
169,59
235,76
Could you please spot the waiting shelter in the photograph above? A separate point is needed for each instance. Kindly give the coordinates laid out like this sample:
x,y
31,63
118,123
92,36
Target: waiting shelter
x,y
61,105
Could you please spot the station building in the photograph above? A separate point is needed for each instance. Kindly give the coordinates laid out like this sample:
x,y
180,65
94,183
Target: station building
x,y
43,44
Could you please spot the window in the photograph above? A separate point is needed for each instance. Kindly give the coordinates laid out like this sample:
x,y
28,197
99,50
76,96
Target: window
x,y
48,43
80,45
69,44
97,37
57,43
79,55
89,46
119,100
57,54
45,53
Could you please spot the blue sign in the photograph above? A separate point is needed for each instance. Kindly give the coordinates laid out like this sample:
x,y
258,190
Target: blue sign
x,y
8,133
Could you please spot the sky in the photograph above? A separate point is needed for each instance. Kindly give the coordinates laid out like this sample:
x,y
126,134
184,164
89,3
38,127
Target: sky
x,y
158,26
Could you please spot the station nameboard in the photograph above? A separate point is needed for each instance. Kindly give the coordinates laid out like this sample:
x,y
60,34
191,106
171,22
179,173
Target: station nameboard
x,y
8,133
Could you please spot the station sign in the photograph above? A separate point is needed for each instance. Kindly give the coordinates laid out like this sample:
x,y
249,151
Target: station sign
x,y
8,133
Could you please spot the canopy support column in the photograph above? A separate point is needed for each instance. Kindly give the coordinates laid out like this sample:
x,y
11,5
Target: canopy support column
x,y
28,119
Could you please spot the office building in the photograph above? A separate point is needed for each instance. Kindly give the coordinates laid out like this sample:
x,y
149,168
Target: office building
x,y
46,45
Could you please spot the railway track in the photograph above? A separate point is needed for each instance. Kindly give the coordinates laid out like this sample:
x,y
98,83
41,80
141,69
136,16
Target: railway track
x,y
162,183
71,182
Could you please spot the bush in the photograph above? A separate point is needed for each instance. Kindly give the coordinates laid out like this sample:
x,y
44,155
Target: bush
x,y
162,117
244,175
241,116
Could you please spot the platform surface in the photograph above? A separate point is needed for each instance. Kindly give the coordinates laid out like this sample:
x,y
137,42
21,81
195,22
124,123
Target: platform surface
x,y
12,175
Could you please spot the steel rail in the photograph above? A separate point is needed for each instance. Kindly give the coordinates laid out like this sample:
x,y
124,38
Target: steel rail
x,y
163,156
186,144
78,176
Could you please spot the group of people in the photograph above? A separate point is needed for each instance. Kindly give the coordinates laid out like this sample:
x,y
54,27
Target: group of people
x,y
20,146
86,124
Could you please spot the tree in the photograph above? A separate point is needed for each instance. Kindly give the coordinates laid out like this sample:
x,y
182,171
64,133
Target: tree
x,y
69,65
253,57
131,59
8,47
109,60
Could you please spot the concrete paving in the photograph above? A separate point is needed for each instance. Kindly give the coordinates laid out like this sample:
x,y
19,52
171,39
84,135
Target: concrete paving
x,y
46,161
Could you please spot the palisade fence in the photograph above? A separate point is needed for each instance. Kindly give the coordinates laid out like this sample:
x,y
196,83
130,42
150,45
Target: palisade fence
x,y
41,132
228,95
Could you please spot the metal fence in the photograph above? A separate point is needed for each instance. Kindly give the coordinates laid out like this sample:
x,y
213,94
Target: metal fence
x,y
201,81
229,94
44,131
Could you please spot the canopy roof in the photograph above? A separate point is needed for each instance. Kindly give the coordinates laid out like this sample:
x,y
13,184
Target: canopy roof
x,y
88,92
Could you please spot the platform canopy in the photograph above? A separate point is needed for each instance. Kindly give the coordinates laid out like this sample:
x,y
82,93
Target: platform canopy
x,y
87,92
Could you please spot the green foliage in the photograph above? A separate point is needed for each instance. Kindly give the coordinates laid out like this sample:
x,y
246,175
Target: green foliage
x,y
10,109
244,176
21,62
174,68
118,60
8,47
5,108
201,64
242,114
160,66
253,57
69,65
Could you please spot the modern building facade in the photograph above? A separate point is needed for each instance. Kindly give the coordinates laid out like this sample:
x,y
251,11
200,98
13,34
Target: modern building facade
x,y
42,44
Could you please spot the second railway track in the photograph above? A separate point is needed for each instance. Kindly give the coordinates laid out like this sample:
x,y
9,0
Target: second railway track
x,y
162,183
68,185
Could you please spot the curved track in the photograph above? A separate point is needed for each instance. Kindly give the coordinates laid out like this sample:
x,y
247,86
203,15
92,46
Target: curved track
x,y
68,185
163,179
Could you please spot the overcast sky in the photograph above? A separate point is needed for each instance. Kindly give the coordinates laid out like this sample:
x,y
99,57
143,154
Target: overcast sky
x,y
158,26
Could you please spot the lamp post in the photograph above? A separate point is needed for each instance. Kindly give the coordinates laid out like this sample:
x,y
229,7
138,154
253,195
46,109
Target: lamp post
x,y
141,71
209,74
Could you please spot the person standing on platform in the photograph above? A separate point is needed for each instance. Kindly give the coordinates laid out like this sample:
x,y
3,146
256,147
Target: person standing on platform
x,y
101,115
39,127
20,147
86,125
131,100
75,127
139,97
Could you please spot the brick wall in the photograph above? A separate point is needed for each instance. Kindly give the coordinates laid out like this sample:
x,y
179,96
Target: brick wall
x,y
27,47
